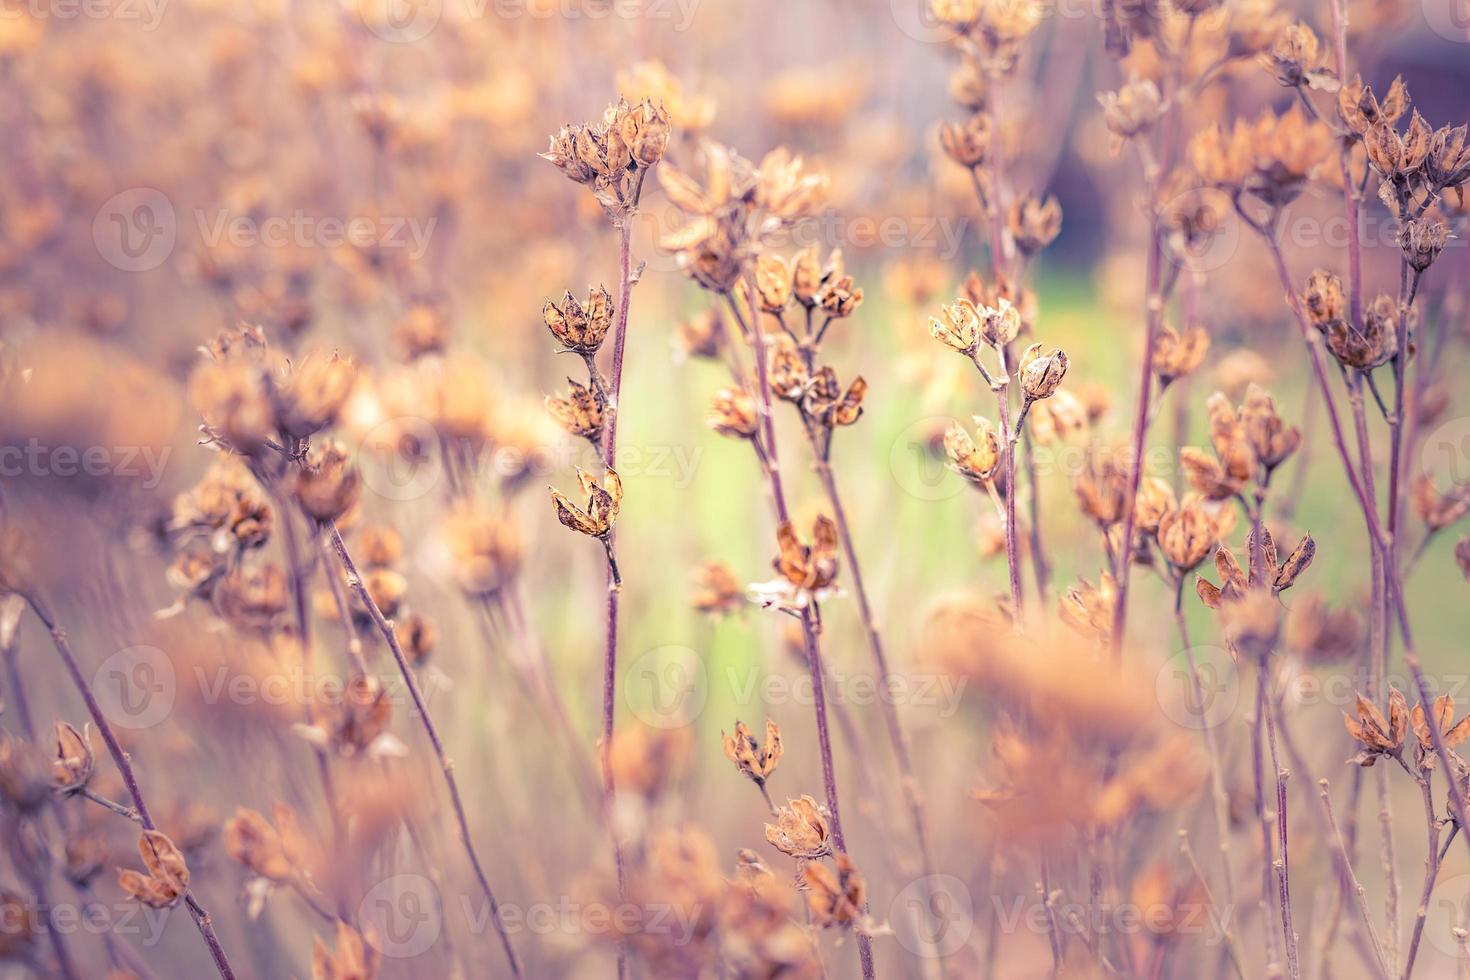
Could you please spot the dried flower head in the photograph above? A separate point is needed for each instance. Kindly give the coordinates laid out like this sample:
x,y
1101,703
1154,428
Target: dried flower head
x,y
1034,224
717,590
1178,355
1378,735
167,876
975,459
800,830
756,761
734,413
328,485
577,327
1371,345
836,898
1041,374
1188,535
74,764
600,513
579,412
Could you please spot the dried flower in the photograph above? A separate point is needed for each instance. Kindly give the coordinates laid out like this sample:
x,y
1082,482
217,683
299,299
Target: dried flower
x,y
1378,735
74,764
601,511
1034,224
1041,374
734,413
578,328
1133,109
800,830
835,898
967,143
1176,355
580,412
957,326
717,590
1451,733
1374,344
1189,534
755,761
167,876
974,459
328,485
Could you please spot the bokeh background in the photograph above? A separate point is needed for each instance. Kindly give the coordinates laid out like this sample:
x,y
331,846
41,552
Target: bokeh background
x,y
347,174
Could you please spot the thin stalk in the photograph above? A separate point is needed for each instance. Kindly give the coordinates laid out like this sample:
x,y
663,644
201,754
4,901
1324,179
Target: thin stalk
x,y
897,736
125,768
1263,817
1153,318
1346,869
614,579
1432,860
355,582
1370,515
1218,794
809,627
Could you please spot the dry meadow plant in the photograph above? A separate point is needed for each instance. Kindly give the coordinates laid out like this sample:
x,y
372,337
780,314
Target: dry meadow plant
x,y
1123,645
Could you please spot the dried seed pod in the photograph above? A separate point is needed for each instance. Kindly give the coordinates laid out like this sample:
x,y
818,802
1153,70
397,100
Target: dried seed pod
x,y
757,762
1041,374
74,764
167,875
734,413
800,830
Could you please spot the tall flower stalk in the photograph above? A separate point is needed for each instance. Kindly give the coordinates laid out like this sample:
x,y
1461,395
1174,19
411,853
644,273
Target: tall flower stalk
x,y
613,159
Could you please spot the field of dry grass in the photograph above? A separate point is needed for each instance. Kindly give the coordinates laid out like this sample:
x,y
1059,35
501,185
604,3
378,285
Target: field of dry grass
x,y
692,489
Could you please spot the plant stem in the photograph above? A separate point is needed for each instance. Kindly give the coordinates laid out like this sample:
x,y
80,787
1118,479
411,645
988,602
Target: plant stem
x,y
125,769
897,736
809,626
1393,583
1346,869
614,579
1154,314
355,582
1218,794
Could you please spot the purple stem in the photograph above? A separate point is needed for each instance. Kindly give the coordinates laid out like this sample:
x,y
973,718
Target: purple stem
x,y
125,768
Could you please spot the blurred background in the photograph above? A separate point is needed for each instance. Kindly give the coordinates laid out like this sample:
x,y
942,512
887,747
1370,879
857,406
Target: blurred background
x,y
362,178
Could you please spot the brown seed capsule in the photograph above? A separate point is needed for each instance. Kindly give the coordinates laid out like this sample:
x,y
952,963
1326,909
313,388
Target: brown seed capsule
x,y
835,898
74,764
967,143
1132,109
1041,374
957,326
1189,534
1372,345
328,486
1034,224
1324,299
313,394
1177,355
578,328
167,876
580,412
756,761
800,830
773,283
601,511
973,459
1421,241
1155,500
734,413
